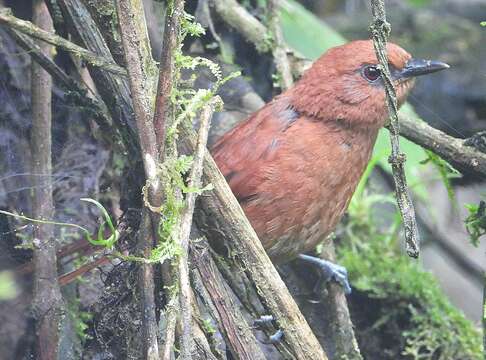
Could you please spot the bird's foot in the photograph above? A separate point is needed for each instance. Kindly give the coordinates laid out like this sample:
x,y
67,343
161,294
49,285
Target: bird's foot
x,y
329,271
265,321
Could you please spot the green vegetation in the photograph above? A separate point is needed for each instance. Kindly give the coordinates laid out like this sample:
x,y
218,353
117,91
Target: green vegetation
x,y
476,221
8,288
99,240
408,305
79,319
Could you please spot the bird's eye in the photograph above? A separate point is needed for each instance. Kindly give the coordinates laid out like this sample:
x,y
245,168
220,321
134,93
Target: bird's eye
x,y
371,73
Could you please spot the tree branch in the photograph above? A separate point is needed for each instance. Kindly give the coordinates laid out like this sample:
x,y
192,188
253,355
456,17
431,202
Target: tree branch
x,y
170,44
93,102
113,89
186,223
238,18
26,27
463,157
47,302
139,61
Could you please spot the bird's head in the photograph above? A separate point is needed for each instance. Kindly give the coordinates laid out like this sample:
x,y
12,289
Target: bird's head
x,y
346,83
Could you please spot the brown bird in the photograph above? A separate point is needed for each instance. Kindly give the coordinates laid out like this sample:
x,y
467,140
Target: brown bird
x,y
295,163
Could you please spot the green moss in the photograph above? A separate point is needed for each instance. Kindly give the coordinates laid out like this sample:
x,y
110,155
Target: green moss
x,y
426,325
79,319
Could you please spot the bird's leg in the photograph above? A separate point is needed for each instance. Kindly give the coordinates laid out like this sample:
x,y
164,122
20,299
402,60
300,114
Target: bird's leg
x,y
329,271
266,321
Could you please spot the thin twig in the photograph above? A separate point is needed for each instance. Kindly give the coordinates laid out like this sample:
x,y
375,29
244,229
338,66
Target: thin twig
x,y
47,301
186,222
169,334
380,30
26,27
279,49
163,119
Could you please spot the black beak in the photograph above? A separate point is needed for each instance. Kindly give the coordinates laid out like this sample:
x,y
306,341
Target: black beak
x,y
417,67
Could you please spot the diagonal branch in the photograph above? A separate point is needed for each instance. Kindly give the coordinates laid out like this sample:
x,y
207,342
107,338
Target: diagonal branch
x,y
453,150
26,27
279,49
94,103
186,222
238,18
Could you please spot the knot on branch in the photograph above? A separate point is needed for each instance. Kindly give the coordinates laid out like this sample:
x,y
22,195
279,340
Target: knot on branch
x,y
397,159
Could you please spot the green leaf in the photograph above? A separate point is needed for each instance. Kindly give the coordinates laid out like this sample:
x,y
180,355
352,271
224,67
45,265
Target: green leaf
x,y
101,241
419,3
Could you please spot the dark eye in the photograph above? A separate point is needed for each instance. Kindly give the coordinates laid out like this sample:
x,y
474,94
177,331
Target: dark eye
x,y
371,73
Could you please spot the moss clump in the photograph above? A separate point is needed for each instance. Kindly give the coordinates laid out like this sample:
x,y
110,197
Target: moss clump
x,y
399,309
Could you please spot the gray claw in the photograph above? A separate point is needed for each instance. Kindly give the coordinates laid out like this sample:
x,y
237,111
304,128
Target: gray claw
x,y
330,271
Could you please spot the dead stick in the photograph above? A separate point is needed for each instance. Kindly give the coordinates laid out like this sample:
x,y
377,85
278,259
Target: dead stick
x,y
380,30
96,104
186,222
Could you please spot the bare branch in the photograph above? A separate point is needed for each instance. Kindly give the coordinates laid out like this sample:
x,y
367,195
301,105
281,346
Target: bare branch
x,y
113,89
341,327
237,17
186,222
170,44
26,27
96,104
453,150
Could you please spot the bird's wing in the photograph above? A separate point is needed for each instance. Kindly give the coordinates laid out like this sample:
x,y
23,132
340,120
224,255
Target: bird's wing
x,y
243,153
